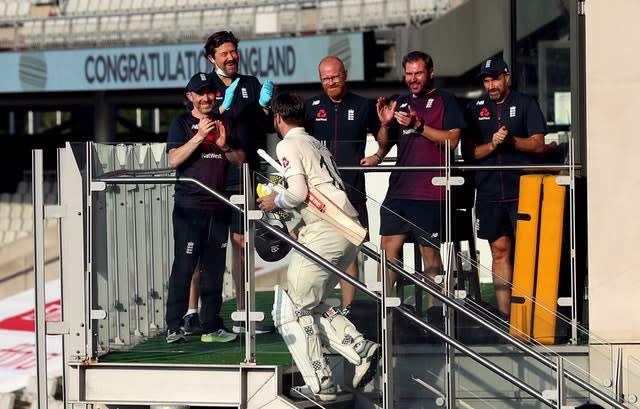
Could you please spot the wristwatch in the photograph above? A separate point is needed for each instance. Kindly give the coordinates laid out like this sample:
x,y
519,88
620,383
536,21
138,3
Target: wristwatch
x,y
420,128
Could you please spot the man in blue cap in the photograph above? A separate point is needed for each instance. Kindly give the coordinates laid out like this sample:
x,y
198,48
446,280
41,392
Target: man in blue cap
x,y
198,147
504,127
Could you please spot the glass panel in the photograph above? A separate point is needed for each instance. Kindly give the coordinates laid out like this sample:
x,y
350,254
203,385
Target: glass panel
x,y
633,379
542,68
132,292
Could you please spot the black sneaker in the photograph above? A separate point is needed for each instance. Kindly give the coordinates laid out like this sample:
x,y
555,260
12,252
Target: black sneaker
x,y
175,336
192,324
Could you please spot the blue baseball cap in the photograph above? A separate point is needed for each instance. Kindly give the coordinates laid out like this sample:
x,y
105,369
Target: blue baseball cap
x,y
199,82
493,67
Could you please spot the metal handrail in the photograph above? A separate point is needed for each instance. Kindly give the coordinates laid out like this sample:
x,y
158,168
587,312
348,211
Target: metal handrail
x,y
416,279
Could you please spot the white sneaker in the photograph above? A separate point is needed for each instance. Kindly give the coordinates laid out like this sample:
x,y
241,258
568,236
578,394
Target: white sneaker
x,y
326,394
364,373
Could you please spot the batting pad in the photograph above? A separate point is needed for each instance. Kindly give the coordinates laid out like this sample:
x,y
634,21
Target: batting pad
x,y
301,337
339,334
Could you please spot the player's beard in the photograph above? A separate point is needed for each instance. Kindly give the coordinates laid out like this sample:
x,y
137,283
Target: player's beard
x,y
336,93
227,70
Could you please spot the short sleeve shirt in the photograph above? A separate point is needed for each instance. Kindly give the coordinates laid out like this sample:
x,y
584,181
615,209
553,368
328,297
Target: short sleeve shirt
x,y
343,127
207,164
440,110
522,116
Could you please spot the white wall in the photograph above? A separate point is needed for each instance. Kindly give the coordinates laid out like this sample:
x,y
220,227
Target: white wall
x,y
613,145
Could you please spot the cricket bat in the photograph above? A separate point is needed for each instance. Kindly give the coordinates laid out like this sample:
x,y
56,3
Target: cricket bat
x,y
326,209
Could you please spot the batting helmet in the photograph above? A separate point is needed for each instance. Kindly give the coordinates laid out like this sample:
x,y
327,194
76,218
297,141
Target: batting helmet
x,y
269,246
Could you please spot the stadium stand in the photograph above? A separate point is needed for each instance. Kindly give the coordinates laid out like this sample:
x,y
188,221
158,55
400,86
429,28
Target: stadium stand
x,y
16,210
80,23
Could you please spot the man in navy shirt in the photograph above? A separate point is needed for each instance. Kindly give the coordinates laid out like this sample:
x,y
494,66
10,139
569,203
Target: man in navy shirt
x,y
505,127
197,148
423,124
341,121
248,119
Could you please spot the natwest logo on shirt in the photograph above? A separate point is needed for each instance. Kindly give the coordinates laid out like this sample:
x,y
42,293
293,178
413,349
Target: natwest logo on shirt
x,y
484,114
285,162
321,115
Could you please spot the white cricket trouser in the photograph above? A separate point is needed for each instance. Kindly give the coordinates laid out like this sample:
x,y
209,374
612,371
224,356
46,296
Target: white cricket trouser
x,y
309,284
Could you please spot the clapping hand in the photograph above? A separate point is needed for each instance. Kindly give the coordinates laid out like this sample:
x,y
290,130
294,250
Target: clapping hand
x,y
228,95
385,110
266,93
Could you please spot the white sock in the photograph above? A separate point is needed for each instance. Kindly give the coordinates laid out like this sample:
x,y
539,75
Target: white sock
x,y
192,311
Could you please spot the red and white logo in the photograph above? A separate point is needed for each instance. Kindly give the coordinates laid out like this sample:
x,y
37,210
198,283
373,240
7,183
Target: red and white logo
x,y
285,162
27,320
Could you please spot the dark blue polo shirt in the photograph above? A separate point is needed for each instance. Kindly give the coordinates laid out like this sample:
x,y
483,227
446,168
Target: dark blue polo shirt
x,y
343,128
521,115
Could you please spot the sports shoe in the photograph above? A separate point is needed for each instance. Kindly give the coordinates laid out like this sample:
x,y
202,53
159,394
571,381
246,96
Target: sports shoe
x,y
191,324
175,336
364,373
220,335
238,328
326,394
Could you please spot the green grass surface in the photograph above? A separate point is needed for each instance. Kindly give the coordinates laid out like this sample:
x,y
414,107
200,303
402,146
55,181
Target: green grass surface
x,y
270,350
269,347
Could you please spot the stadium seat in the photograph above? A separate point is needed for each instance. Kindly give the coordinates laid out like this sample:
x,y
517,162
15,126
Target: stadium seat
x,y
77,7
15,211
189,24
33,32
329,16
27,225
288,18
24,9
216,19
422,10
110,28
135,5
152,5
397,13
27,211
56,30
8,236
15,224
99,6
242,19
139,27
373,14
5,210
83,29
352,12
163,25
11,9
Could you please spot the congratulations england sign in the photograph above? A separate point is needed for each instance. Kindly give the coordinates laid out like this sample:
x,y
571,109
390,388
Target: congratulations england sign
x,y
283,60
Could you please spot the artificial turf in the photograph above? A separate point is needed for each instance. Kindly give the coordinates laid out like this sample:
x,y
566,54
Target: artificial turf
x,y
270,349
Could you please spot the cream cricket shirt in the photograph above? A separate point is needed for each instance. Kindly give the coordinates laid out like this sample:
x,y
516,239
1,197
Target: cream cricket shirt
x,y
301,154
